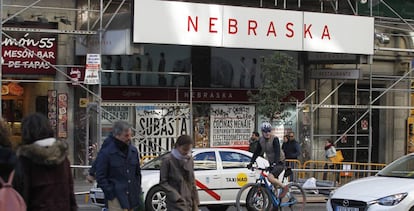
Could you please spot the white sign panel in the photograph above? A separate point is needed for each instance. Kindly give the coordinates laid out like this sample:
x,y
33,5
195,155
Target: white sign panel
x,y
231,124
184,23
93,64
338,33
114,42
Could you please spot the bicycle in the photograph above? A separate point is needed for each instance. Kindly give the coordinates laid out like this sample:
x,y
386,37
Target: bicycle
x,y
261,195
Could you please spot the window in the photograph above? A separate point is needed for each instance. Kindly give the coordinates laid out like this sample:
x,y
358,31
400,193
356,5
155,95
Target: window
x,y
234,160
205,161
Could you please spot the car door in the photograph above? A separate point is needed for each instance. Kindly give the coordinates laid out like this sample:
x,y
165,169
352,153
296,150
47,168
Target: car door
x,y
234,173
207,177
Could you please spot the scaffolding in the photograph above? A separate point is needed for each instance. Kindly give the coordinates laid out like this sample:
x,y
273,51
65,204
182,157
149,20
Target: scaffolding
x,y
93,18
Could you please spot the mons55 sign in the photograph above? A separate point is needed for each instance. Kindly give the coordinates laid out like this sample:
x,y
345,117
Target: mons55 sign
x,y
29,53
182,23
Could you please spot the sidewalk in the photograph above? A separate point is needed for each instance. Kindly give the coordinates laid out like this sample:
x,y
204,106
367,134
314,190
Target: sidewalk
x,y
82,187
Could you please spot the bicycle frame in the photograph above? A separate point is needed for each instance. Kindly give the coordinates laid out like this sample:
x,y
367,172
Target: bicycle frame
x,y
275,200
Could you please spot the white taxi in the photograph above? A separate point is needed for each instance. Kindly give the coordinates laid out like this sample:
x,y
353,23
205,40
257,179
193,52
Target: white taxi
x,y
219,173
391,189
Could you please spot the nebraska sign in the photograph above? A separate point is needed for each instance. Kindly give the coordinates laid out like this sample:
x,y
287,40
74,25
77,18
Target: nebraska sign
x,y
182,23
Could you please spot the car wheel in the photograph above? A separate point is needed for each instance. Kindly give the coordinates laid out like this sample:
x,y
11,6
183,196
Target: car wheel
x,y
217,207
156,200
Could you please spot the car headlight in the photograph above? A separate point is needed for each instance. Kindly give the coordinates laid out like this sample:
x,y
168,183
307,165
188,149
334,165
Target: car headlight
x,y
390,200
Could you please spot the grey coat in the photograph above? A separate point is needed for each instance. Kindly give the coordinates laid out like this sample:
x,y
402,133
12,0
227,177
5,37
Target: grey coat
x,y
177,179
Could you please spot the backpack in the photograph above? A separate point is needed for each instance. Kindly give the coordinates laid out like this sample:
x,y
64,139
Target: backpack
x,y
10,199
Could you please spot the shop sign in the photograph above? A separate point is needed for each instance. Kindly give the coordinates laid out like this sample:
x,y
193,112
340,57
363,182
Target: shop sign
x,y
336,74
230,27
159,125
115,42
198,95
77,75
332,58
231,125
29,53
113,113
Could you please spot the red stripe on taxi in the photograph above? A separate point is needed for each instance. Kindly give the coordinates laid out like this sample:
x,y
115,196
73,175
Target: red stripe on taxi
x,y
210,192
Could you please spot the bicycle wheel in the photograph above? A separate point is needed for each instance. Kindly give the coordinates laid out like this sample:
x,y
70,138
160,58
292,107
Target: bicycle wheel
x,y
295,199
254,196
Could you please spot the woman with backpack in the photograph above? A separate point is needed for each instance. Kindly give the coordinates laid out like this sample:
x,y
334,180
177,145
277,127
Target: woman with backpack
x,y
43,175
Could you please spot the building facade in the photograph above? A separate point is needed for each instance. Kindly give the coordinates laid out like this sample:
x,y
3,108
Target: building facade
x,y
166,84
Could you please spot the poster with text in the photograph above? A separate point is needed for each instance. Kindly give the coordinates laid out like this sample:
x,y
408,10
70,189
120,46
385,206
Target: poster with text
x,y
231,125
62,115
159,125
282,126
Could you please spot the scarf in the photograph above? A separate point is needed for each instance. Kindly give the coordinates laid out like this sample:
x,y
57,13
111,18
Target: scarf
x,y
179,156
328,146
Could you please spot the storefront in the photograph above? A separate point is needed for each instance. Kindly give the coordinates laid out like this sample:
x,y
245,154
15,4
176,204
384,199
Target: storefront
x,y
28,78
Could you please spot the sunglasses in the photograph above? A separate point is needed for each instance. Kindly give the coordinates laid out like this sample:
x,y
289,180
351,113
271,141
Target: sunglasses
x,y
266,131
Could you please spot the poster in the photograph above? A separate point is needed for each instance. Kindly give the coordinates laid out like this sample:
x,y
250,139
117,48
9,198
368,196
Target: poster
x,y
158,126
201,132
62,115
93,64
282,126
231,124
52,108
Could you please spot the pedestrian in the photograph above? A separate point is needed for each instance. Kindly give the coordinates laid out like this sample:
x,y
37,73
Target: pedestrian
x,y
43,175
253,141
291,148
92,171
118,170
269,148
330,152
177,177
8,158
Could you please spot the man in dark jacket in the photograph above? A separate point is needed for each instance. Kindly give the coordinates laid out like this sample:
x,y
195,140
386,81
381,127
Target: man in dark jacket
x,y
291,148
254,141
118,170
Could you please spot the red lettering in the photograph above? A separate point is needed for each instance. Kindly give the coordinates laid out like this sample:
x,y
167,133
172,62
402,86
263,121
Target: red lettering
x,y
325,33
233,26
252,26
271,29
191,22
212,24
289,28
307,31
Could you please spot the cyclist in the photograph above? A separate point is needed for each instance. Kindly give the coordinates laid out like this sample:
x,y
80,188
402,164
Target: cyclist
x,y
269,148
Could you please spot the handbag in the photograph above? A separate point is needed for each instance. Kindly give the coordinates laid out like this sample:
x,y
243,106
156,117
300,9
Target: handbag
x,y
338,157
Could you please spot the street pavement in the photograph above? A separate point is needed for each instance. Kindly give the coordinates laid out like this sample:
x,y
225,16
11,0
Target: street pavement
x,y
314,202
